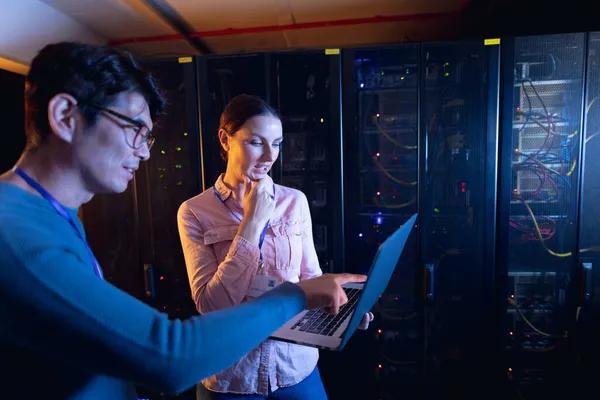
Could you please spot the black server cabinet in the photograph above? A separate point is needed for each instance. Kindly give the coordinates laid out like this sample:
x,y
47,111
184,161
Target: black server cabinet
x,y
459,130
589,236
589,219
538,217
381,169
420,133
587,314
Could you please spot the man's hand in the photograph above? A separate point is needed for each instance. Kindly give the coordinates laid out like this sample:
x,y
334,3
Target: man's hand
x,y
367,318
326,291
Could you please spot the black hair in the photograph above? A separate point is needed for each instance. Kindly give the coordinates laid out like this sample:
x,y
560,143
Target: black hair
x,y
239,110
89,73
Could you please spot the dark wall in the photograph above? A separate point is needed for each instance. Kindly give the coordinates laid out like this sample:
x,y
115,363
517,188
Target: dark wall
x,y
498,18
12,118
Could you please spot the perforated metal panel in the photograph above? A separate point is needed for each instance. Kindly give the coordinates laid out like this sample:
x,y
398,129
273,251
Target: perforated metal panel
x,y
545,160
545,96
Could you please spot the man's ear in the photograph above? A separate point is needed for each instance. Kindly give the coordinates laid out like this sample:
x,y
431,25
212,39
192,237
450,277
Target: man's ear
x,y
224,139
61,116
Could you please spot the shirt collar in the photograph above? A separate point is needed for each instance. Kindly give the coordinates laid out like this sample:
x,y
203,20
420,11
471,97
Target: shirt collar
x,y
221,188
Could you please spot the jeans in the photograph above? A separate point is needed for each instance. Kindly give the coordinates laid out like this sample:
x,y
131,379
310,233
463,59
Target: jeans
x,y
311,388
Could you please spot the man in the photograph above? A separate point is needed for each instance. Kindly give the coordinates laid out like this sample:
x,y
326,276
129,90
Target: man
x,y
65,333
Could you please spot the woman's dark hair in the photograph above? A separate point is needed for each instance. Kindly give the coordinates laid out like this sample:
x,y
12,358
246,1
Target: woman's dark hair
x,y
89,73
239,110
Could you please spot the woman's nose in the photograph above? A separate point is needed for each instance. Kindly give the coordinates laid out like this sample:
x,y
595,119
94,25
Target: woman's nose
x,y
269,154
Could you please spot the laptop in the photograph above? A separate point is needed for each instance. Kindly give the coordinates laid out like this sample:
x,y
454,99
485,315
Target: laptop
x,y
315,328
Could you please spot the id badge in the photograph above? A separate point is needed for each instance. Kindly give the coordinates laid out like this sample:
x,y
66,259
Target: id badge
x,y
262,284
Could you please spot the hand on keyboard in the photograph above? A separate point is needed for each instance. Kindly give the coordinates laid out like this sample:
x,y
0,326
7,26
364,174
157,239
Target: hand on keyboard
x,y
326,291
318,322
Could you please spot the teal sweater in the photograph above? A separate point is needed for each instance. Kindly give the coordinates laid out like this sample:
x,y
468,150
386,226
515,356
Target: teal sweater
x,y
66,334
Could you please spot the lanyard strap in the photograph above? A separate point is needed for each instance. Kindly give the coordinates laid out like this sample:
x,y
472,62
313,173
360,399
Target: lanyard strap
x,y
63,213
264,232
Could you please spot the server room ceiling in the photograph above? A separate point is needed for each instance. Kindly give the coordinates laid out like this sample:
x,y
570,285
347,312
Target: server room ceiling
x,y
174,28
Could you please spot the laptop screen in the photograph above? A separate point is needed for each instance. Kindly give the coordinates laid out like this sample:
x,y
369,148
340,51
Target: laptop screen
x,y
382,268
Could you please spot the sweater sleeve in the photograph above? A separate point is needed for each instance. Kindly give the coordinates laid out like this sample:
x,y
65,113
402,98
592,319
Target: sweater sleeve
x,y
52,303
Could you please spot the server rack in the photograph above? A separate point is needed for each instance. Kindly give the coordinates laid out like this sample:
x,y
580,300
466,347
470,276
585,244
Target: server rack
x,y
420,134
538,239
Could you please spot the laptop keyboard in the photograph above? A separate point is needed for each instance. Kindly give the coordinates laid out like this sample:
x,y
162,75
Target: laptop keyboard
x,y
318,322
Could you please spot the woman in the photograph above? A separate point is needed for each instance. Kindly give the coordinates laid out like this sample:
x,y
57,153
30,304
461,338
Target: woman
x,y
229,251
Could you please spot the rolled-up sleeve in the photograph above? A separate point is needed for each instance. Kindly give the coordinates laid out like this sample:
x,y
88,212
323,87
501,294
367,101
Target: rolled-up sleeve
x,y
309,267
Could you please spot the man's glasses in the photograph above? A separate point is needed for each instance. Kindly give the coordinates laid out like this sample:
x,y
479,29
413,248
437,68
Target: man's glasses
x,y
142,132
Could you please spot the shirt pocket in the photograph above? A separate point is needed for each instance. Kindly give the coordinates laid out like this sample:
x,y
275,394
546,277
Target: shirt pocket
x,y
221,233
288,246
220,238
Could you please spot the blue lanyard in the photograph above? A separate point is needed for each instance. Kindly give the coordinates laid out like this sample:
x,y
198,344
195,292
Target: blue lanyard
x,y
264,232
63,213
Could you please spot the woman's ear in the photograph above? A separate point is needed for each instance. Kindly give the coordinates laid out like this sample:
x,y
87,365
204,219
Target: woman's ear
x,y
224,139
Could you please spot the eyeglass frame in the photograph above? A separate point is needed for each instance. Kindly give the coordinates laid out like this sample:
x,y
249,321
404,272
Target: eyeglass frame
x,y
147,138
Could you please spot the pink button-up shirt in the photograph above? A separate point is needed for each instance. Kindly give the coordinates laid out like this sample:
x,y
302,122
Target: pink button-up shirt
x,y
221,267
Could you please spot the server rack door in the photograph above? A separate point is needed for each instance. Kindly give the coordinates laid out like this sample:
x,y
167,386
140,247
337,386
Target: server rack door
x,y
170,177
459,98
589,234
545,76
380,136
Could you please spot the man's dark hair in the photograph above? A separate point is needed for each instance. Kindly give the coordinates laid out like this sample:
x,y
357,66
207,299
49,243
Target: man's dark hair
x,y
89,73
